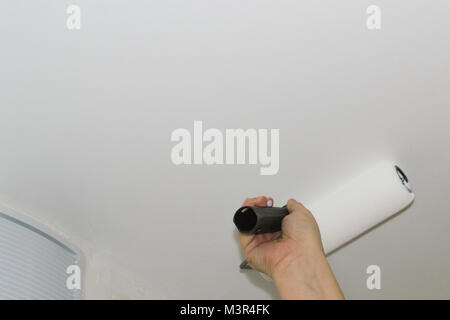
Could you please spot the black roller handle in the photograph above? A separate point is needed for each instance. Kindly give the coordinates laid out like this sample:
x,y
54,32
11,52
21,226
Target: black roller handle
x,y
259,219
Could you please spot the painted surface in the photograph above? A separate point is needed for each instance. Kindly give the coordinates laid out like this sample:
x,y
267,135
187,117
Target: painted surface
x,y
86,118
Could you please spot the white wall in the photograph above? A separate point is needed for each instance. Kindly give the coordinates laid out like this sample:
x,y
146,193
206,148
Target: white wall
x,y
86,118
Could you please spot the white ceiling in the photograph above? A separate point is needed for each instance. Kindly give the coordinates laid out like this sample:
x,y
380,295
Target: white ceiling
x,y
86,118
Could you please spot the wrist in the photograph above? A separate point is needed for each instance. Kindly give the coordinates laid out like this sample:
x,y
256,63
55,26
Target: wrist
x,y
306,274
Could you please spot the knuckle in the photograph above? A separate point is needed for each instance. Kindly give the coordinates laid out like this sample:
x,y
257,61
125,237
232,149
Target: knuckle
x,y
247,256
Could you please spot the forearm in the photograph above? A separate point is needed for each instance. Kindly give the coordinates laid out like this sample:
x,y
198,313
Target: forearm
x,y
306,276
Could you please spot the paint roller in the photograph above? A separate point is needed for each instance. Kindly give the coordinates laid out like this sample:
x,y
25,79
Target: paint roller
x,y
359,204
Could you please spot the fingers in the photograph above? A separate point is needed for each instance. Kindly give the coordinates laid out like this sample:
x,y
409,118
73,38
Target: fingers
x,y
261,201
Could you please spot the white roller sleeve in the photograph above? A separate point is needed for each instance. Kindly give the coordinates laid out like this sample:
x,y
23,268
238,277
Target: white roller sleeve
x,y
359,204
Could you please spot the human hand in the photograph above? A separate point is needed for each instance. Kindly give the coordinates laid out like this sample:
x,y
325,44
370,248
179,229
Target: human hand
x,y
293,257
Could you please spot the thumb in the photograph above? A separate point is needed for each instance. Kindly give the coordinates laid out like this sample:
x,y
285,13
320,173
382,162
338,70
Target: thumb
x,y
293,205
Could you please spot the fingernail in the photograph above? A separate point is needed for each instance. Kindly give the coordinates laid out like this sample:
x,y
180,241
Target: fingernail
x,y
269,203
